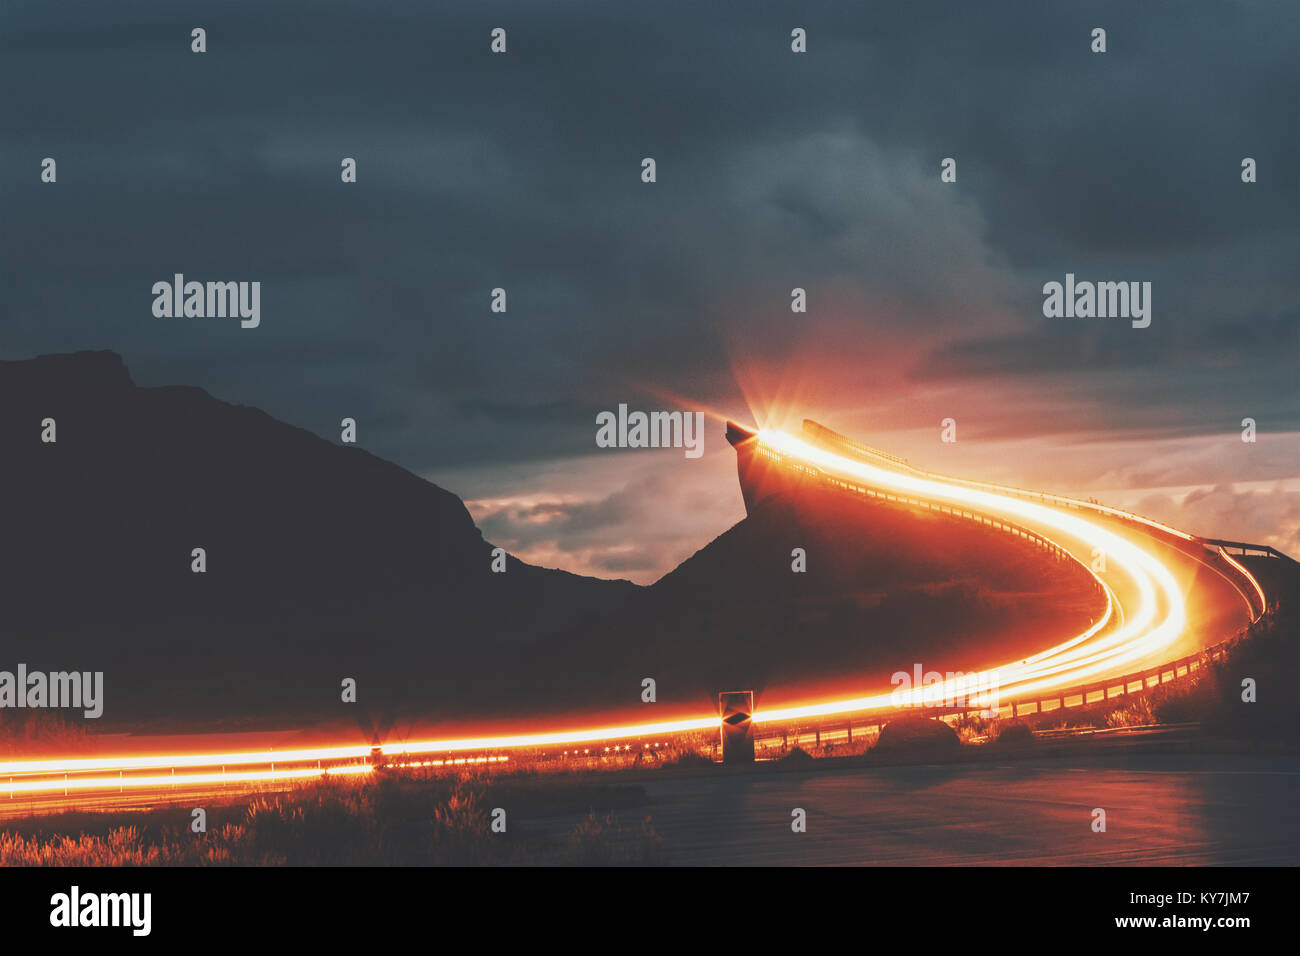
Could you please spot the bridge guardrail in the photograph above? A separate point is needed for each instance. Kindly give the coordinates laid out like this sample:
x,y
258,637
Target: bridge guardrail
x,y
832,727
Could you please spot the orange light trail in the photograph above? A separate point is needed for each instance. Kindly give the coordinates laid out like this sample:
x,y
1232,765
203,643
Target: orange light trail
x,y
1102,650
1086,656
250,758
1007,489
182,780
1259,591
528,741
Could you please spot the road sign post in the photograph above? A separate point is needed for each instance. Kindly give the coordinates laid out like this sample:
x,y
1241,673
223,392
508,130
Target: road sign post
x,y
737,710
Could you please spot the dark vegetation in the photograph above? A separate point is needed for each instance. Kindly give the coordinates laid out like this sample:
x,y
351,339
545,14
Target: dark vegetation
x,y
1015,734
914,735
1269,656
389,820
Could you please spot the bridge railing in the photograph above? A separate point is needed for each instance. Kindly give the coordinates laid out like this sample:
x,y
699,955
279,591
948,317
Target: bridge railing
x,y
1255,550
833,729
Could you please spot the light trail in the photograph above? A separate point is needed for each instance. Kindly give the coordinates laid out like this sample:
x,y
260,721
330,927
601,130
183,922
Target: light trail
x,y
1067,664
528,741
168,781
1101,650
826,436
248,758
179,761
1263,601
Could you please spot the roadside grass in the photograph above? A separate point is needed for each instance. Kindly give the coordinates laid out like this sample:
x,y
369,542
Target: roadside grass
x,y
1136,712
606,841
387,820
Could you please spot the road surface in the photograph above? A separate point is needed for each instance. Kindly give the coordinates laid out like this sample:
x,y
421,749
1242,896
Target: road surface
x,y
1160,810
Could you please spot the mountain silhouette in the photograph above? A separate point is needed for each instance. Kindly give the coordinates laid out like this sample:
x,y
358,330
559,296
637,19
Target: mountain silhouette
x,y
324,562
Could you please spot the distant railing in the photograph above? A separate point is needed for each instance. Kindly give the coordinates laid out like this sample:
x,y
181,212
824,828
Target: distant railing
x,y
1259,550
826,436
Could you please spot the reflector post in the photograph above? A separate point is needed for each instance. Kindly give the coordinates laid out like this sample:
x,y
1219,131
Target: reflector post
x,y
736,708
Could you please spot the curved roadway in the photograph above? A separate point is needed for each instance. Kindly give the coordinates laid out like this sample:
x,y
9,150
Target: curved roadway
x,y
1165,596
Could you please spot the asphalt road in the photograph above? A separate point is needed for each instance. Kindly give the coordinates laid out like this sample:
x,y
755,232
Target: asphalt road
x,y
1160,810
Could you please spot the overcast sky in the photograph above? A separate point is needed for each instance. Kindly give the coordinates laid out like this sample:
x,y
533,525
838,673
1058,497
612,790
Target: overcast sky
x,y
775,170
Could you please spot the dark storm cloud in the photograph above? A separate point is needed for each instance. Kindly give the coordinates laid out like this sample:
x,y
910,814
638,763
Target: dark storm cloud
x,y
775,170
